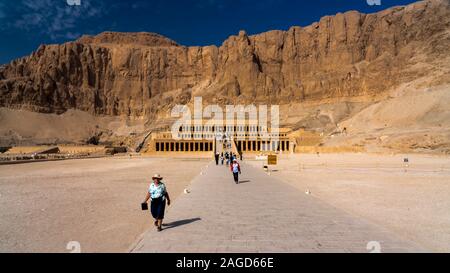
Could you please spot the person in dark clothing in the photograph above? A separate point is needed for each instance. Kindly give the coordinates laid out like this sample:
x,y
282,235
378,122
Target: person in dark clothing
x,y
227,158
216,156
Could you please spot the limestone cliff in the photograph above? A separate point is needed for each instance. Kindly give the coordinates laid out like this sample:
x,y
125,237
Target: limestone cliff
x,y
138,74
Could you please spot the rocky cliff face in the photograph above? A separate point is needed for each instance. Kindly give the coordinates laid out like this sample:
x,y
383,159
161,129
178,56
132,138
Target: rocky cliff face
x,y
349,55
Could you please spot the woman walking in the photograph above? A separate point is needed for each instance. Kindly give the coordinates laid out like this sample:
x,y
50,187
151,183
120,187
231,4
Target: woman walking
x,y
227,158
221,159
157,194
236,170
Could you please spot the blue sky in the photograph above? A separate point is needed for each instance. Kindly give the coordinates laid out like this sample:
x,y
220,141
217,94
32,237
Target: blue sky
x,y
25,24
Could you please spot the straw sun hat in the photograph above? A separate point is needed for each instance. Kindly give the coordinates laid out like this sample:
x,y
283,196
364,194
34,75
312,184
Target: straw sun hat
x,y
157,176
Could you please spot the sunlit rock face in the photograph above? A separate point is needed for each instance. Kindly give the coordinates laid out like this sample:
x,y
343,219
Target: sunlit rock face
x,y
349,55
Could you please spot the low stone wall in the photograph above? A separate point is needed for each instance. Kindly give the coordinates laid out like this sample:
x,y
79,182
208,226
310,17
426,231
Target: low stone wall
x,y
328,150
81,149
26,149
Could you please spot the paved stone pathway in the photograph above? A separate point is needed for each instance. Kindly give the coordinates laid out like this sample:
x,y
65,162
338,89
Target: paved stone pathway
x,y
262,214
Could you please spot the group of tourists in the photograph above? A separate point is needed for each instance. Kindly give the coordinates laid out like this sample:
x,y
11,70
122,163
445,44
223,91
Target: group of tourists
x,y
230,159
225,158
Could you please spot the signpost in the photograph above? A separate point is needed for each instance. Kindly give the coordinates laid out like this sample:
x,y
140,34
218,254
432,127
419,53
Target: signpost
x,y
272,160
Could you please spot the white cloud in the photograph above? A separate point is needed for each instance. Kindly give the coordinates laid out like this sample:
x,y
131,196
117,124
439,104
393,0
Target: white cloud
x,y
55,18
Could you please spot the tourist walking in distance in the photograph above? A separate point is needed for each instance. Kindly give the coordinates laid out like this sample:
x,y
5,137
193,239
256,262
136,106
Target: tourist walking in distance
x,y
221,159
157,194
236,170
227,158
216,156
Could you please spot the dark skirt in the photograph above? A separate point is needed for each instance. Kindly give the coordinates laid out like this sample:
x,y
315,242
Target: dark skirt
x,y
236,177
158,206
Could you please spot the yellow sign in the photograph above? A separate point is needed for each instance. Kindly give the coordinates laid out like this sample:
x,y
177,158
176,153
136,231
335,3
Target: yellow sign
x,y
272,159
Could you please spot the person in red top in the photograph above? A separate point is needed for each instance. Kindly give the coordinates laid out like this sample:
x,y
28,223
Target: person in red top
x,y
236,170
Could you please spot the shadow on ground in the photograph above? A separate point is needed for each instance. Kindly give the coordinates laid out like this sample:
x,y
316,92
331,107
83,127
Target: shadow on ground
x,y
180,223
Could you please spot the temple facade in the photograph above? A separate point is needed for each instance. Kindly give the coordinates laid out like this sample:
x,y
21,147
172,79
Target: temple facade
x,y
240,138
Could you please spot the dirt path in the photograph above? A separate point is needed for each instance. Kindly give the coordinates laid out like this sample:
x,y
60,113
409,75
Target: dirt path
x,y
261,214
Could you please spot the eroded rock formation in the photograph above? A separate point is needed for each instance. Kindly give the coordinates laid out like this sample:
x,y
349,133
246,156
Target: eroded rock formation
x,y
138,74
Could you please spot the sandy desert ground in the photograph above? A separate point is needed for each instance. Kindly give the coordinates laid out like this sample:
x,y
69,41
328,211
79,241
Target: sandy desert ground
x,y
413,201
97,201
93,201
